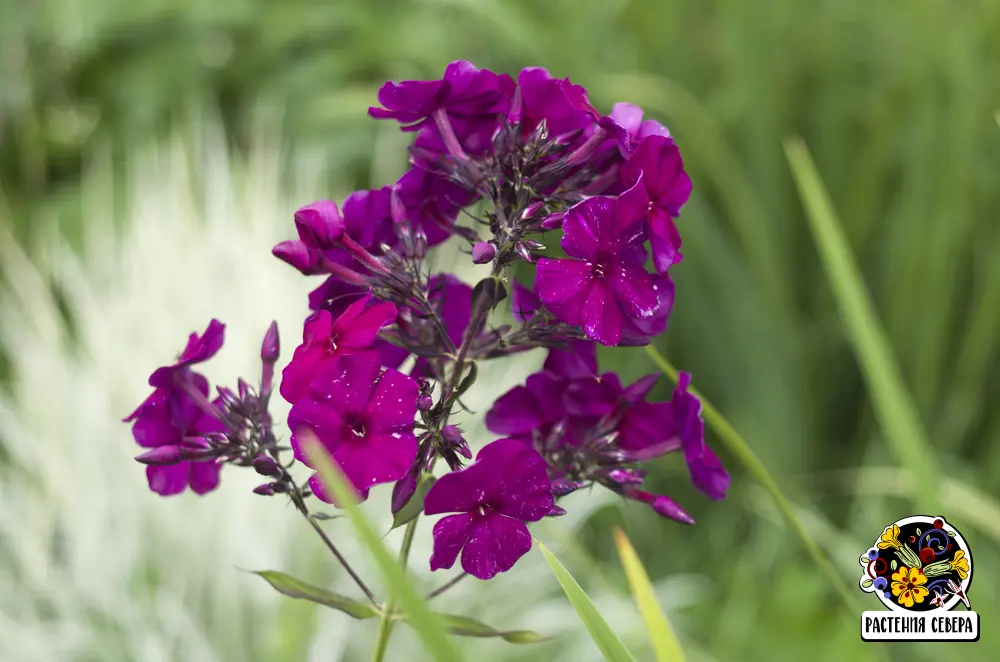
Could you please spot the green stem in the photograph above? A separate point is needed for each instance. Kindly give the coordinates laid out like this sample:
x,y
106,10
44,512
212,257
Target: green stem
x,y
387,621
738,446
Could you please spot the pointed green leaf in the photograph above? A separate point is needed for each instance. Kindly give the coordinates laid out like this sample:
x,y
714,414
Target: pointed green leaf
x,y
427,624
896,412
464,626
665,644
867,583
607,641
294,588
415,505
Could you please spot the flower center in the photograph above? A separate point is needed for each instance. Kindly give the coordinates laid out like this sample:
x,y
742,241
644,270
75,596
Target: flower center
x,y
357,427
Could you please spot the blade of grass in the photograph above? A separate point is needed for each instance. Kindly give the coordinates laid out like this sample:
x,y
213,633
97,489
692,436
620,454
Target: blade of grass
x,y
607,641
738,446
894,409
665,643
428,626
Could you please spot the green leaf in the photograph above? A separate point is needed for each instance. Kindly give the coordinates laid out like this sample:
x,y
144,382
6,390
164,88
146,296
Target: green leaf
x,y
607,641
665,644
918,532
468,380
739,447
427,624
893,564
294,588
415,505
867,583
325,517
464,626
895,410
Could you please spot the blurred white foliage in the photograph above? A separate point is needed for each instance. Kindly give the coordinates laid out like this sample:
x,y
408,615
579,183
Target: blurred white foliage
x,y
93,566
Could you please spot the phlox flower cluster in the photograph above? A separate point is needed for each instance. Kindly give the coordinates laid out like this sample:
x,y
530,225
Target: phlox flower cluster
x,y
507,168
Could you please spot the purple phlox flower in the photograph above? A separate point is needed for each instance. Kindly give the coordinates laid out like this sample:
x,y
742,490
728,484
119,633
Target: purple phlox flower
x,y
707,472
170,418
458,112
658,168
604,281
505,487
432,202
325,339
464,91
554,101
363,416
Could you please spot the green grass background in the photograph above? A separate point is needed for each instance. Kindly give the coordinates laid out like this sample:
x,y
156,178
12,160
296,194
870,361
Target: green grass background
x,y
896,102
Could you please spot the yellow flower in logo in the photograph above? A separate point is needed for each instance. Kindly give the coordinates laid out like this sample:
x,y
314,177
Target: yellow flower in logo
x,y
890,538
908,586
960,564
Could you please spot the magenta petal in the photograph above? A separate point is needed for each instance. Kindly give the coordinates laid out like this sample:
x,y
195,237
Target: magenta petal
x,y
321,420
516,483
494,545
582,227
635,290
307,360
450,535
393,403
459,491
362,331
577,361
167,480
646,425
204,476
709,476
377,458
515,412
563,286
347,383
631,207
203,347
664,239
602,318
628,116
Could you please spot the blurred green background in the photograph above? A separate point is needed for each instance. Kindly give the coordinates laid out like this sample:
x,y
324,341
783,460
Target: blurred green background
x,y
895,100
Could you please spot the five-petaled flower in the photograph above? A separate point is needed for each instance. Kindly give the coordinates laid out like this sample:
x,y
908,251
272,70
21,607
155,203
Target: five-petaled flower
x,y
363,416
505,487
908,586
606,284
172,423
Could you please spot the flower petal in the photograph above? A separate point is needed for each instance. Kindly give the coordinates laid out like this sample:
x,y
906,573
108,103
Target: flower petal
x,y
495,544
360,333
602,318
347,383
393,403
459,491
563,286
204,476
450,535
635,291
376,459
584,225
515,412
167,480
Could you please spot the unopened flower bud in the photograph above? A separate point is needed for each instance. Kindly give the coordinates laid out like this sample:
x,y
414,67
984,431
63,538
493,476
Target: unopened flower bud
x,y
319,225
531,210
161,455
625,477
270,348
483,252
266,466
264,490
405,488
425,402
561,487
299,256
556,511
523,252
554,221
